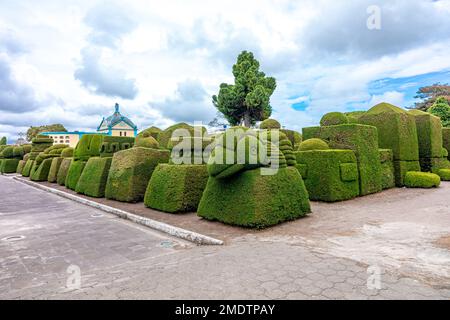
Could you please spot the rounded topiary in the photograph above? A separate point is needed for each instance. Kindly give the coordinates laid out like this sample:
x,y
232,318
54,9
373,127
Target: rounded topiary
x,y
8,152
333,119
18,152
444,153
67,152
415,179
313,144
26,148
270,124
444,174
147,142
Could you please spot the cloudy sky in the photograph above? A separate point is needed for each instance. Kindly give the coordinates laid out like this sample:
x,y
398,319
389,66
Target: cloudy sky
x,y
69,61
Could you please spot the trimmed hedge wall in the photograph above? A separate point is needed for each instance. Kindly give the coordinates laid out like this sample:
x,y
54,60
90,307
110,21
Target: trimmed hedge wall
x,y
415,179
27,168
313,144
149,132
67,152
74,173
176,188
112,144
387,169
401,168
333,119
254,200
166,135
63,170
363,140
130,172
54,168
20,166
93,179
9,165
444,174
39,172
329,175
429,134
446,140
88,146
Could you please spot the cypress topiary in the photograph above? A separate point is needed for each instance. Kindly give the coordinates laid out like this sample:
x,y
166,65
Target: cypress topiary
x,y
63,170
313,144
270,124
334,119
414,179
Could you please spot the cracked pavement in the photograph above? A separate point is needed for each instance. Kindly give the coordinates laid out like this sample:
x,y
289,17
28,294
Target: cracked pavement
x,y
120,260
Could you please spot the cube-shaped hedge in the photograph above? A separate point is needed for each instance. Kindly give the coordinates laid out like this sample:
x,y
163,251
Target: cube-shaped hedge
x,y
39,172
93,179
429,134
396,130
253,200
387,169
74,173
363,140
329,175
54,168
88,146
63,170
9,165
176,188
27,168
113,144
446,140
130,172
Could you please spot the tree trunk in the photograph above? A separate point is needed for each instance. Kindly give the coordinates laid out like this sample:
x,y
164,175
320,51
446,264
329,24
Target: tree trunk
x,y
247,121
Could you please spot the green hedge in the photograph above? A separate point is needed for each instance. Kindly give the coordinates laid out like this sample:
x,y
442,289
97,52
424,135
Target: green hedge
x,y
93,179
18,152
444,174
147,142
112,144
176,188
270,124
333,119
401,168
20,166
63,170
313,144
415,179
166,135
39,172
9,165
150,132
27,168
295,138
74,173
8,152
329,175
446,140
88,146
130,172
396,130
67,152
253,200
363,140
387,169
54,168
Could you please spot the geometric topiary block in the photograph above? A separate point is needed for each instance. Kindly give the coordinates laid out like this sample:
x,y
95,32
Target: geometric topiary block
x,y
88,146
176,188
9,165
444,174
429,133
112,144
63,170
422,180
446,140
40,172
93,179
401,168
363,140
253,200
387,169
74,173
20,166
27,168
396,130
130,172
54,168
329,175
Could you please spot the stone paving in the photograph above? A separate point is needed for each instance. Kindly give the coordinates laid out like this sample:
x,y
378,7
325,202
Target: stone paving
x,y
120,260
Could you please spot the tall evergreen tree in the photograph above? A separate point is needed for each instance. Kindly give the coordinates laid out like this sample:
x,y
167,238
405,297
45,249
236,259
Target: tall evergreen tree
x,y
441,109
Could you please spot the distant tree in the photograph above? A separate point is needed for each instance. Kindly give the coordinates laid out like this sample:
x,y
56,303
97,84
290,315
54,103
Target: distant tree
x,y
32,132
247,100
429,94
218,121
3,141
441,109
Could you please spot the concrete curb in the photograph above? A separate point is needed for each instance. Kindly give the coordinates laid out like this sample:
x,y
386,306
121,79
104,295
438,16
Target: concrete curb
x,y
150,223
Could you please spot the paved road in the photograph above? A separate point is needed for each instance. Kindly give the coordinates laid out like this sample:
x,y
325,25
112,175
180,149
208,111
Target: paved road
x,y
117,259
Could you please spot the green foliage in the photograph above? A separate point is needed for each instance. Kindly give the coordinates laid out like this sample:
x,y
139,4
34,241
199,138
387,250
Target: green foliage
x,y
88,146
176,188
112,144
54,168
253,200
333,119
189,150
444,174
446,140
429,94
92,181
147,142
313,144
441,109
295,138
9,165
329,175
20,166
8,152
39,172
3,141
387,169
401,168
67,152
153,132
414,179
130,172
179,129
27,168
270,124
248,99
33,132
363,141
18,152
429,134
74,173
63,170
